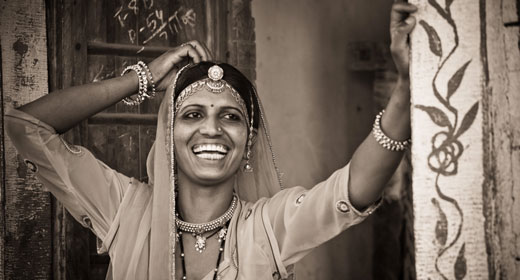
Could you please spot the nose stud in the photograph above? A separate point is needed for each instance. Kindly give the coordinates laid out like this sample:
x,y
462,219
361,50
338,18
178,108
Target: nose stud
x,y
219,129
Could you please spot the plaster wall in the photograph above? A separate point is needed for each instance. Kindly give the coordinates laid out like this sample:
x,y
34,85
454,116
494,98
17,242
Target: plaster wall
x,y
319,111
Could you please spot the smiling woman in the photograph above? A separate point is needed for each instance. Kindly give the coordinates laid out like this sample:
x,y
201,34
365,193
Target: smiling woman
x,y
212,131
213,207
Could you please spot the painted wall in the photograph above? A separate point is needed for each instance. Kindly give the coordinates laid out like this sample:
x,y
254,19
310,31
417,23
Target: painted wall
x,y
447,84
318,110
465,83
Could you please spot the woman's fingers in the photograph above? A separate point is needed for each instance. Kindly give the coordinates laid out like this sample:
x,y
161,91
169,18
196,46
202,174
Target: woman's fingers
x,y
410,24
201,50
404,7
188,50
400,11
209,54
401,24
163,67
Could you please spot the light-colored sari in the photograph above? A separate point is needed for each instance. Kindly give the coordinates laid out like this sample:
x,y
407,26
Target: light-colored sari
x,y
269,232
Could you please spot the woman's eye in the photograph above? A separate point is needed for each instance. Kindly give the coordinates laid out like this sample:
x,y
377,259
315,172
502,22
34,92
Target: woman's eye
x,y
232,117
193,115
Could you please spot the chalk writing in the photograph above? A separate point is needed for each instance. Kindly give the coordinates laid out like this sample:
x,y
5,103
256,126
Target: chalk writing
x,y
156,25
100,75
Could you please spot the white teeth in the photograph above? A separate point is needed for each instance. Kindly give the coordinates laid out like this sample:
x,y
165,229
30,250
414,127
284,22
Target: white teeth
x,y
211,156
210,148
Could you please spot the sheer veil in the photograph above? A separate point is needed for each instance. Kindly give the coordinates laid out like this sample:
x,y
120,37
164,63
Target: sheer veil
x,y
264,181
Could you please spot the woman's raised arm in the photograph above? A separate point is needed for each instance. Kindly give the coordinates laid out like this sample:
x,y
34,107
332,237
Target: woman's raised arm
x,y
65,108
373,165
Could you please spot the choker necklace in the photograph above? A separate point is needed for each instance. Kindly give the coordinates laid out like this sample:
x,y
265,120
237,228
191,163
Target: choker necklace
x,y
221,239
197,230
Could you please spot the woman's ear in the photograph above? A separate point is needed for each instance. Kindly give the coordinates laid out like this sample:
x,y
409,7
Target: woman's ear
x,y
255,133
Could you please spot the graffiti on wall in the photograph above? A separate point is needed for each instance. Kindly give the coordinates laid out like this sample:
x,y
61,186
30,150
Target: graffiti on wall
x,y
157,23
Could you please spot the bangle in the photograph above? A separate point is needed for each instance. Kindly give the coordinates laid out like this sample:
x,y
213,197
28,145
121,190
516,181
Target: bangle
x,y
384,140
151,84
142,93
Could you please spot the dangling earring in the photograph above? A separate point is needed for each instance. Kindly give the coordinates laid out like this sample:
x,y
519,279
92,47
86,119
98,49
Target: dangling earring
x,y
248,167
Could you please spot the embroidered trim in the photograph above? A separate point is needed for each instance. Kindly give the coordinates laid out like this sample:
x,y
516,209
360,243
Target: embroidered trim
x,y
300,199
73,149
342,206
86,222
248,213
33,167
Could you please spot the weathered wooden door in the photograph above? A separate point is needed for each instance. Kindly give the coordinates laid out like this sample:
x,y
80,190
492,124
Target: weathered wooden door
x,y
89,41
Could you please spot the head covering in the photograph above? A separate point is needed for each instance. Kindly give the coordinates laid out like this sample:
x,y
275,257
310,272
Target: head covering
x,y
264,181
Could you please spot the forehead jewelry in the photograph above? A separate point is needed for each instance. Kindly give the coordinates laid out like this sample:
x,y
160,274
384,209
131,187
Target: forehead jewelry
x,y
213,83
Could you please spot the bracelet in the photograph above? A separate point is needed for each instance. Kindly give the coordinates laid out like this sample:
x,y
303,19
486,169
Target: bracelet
x,y
142,94
385,141
150,79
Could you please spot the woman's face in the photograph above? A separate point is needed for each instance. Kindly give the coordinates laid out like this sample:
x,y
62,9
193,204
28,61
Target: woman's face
x,y
210,137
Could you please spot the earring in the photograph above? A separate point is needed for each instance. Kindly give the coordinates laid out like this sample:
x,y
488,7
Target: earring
x,y
248,167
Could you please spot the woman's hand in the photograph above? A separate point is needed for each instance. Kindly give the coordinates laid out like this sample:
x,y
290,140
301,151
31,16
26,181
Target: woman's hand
x,y
163,67
401,24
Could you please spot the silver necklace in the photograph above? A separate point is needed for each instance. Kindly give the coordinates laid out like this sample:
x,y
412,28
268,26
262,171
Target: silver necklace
x,y
197,230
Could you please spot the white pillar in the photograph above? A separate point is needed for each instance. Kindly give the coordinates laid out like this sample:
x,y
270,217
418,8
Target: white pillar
x,y
447,81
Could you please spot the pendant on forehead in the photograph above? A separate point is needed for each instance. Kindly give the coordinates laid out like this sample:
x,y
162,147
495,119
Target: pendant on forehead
x,y
215,83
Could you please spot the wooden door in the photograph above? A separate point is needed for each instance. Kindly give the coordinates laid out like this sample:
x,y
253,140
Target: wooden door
x,y
90,41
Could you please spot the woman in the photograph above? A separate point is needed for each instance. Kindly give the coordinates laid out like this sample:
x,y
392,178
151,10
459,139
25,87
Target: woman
x,y
212,208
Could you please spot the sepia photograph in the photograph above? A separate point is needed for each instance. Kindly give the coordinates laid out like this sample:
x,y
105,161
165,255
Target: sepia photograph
x,y
260,139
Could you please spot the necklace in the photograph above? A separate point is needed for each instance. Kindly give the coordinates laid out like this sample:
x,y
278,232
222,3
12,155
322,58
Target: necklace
x,y
221,239
199,229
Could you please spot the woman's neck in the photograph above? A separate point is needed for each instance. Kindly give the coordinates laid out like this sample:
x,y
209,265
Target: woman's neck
x,y
199,204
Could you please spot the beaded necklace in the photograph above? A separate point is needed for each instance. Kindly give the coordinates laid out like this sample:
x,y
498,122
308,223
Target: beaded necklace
x,y
221,225
221,239
198,229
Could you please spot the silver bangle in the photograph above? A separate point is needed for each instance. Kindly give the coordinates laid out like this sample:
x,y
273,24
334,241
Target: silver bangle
x,y
151,84
384,140
142,93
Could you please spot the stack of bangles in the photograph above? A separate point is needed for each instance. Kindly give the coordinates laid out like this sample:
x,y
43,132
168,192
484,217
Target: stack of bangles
x,y
146,84
384,140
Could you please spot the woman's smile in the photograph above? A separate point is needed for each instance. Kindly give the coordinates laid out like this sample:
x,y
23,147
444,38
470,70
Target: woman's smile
x,y
210,137
210,151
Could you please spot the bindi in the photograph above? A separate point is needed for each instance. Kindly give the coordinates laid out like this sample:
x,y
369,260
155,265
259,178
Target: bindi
x,y
212,105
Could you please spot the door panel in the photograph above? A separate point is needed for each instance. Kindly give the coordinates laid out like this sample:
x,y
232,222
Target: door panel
x,y
95,40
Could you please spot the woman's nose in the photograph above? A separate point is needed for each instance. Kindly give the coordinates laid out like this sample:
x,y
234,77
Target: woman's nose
x,y
211,127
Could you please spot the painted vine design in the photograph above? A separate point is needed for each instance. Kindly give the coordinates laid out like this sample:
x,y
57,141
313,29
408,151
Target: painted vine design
x,y
446,147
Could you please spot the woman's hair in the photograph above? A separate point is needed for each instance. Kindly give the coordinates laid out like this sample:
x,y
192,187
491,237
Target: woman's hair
x,y
232,76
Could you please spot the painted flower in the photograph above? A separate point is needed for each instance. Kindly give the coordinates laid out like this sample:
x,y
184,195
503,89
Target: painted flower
x,y
445,154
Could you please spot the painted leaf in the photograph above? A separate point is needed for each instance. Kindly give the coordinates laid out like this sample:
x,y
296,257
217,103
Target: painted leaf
x,y
439,9
438,95
433,38
441,227
468,119
436,115
460,267
455,80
